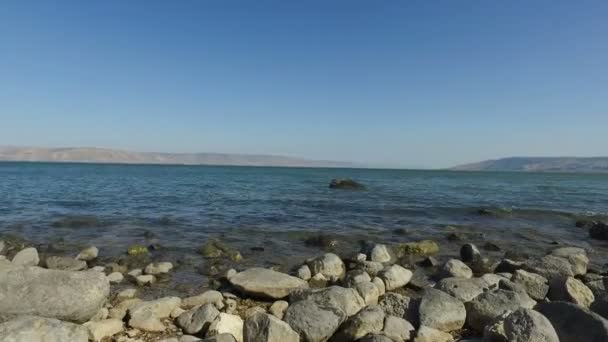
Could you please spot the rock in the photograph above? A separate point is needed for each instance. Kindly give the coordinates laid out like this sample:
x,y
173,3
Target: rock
x,y
65,295
254,310
198,319
231,306
495,331
264,327
266,283
576,256
599,231
372,268
318,281
379,285
397,329
2,247
147,279
370,320
133,273
395,277
137,250
570,290
120,310
574,323
424,247
429,262
380,253
65,264
176,312
158,268
97,269
525,325
146,315
427,334
278,308
356,276
508,265
314,322
101,315
463,289
345,184
88,254
374,338
346,299
219,338
227,324
126,293
329,265
230,273
304,272
361,257
115,277
455,268
469,253
105,328
482,310
368,291
395,304
535,285
26,257
210,296
322,240
549,266
441,311
39,329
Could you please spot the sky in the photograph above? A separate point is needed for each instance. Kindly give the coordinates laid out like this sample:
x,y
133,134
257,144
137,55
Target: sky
x,y
393,83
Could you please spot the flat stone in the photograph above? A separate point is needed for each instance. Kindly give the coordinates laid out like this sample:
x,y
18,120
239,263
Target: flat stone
x,y
146,315
65,295
456,269
345,299
482,310
157,268
397,329
441,311
104,328
570,289
395,277
463,289
574,323
39,329
428,334
369,320
368,291
198,320
535,285
65,264
525,325
329,265
227,324
27,257
267,283
147,279
314,322
88,254
210,296
264,327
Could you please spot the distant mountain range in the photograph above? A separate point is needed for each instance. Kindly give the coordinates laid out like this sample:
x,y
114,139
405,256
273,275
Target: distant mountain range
x,y
102,155
540,164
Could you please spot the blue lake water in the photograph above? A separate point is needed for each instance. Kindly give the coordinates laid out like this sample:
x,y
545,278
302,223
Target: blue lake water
x,y
180,207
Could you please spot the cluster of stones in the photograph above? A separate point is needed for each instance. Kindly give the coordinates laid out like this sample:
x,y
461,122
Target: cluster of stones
x,y
369,297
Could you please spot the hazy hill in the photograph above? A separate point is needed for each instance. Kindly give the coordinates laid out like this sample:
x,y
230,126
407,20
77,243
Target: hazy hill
x,y
101,155
540,164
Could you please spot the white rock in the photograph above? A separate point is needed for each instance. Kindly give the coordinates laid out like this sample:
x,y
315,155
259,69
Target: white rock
x,y
457,269
105,328
360,257
330,265
395,277
278,308
380,285
146,315
397,329
38,329
304,272
115,277
147,279
27,257
158,268
229,324
380,253
88,254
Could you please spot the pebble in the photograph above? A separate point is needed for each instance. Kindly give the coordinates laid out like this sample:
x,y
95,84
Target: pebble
x,y
380,253
115,277
455,268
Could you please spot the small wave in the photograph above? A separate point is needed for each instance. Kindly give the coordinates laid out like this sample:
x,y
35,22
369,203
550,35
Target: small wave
x,y
79,221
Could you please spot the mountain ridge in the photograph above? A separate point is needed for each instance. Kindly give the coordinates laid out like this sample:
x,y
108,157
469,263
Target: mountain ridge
x,y
539,164
118,156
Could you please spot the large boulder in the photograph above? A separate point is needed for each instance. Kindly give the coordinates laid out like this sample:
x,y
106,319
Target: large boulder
x,y
329,265
482,310
574,323
314,322
264,327
262,282
65,295
535,285
198,319
525,325
39,329
346,299
395,277
370,320
570,290
441,311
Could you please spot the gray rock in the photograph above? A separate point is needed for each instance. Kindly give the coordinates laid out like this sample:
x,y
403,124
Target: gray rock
x,y
576,256
368,291
219,338
372,268
264,327
570,290
278,308
535,285
346,299
380,253
267,283
65,295
397,329
370,320
304,272
39,329
456,269
525,325
147,315
549,266
428,334
509,266
495,331
375,338
105,328
574,323
115,277
157,268
198,319
482,310
463,289
356,276
380,285
398,305
395,277
441,311
88,254
329,265
27,257
227,324
314,322
210,296
318,281
65,264
469,253
2,247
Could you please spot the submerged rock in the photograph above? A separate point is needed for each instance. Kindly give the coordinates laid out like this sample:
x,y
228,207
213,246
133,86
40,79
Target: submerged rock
x,y
345,183
216,249
599,231
424,247
65,295
39,329
267,283
137,250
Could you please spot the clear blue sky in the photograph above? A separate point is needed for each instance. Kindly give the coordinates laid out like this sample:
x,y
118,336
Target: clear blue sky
x,y
409,83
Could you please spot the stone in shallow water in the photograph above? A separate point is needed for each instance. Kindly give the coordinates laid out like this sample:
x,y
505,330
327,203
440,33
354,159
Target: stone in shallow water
x,y
158,268
380,253
39,329
329,265
65,295
424,247
263,282
469,253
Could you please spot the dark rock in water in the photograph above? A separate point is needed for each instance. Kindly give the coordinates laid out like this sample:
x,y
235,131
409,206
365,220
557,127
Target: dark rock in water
x,y
585,223
469,253
485,212
78,221
165,220
322,240
424,247
574,323
599,231
257,249
345,183
400,231
216,249
492,247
